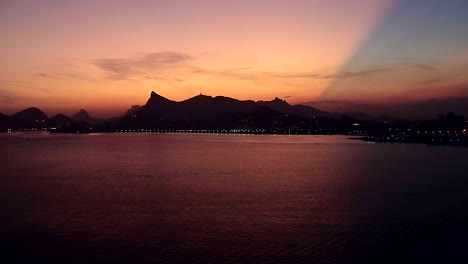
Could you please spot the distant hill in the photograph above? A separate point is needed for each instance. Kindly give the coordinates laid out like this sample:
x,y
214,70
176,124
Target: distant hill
x,y
132,109
30,118
203,111
30,114
3,120
35,118
422,109
82,115
59,120
285,108
85,119
432,107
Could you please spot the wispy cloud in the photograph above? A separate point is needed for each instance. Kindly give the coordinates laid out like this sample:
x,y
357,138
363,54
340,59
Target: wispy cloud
x,y
7,98
236,73
55,75
249,74
123,68
421,66
43,75
357,74
430,81
170,66
23,85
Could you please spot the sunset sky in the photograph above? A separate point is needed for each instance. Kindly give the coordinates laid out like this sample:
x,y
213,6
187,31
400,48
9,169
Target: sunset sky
x,y
105,56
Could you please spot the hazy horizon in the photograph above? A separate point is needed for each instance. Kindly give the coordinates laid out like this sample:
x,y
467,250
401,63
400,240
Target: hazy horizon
x,y
417,109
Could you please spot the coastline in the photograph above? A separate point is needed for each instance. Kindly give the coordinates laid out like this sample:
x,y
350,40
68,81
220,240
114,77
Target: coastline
x,y
461,141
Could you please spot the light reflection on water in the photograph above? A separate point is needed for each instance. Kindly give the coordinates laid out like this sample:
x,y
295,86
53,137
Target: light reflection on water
x,y
229,198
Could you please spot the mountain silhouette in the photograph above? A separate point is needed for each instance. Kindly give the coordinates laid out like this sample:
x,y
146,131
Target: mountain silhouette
x,y
285,108
208,112
82,115
222,114
59,120
419,109
159,112
3,121
28,118
132,110
32,113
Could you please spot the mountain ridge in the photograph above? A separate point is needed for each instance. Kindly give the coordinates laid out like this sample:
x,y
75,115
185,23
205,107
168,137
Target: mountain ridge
x,y
205,111
202,112
420,109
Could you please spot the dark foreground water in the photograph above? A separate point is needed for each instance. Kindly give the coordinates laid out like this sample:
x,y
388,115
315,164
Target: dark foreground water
x,y
154,198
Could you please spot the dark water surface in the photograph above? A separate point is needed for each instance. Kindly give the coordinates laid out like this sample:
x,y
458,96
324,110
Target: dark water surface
x,y
167,198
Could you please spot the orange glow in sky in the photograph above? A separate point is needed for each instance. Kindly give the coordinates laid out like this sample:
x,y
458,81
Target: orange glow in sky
x,y
108,55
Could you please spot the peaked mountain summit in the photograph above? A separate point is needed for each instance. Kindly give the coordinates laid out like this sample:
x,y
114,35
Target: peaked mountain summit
x,y
59,120
82,115
31,118
31,113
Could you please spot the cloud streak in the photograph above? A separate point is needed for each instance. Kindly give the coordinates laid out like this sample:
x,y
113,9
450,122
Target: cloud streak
x,y
7,98
357,74
169,66
62,76
421,66
248,74
124,68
